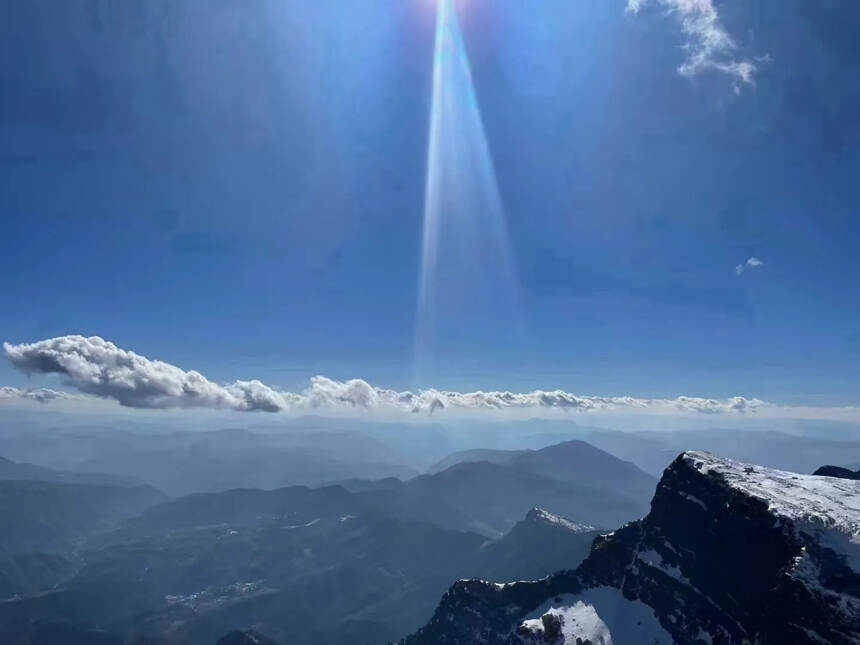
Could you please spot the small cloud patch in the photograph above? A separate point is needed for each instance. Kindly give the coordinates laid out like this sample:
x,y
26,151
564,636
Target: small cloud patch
x,y
751,263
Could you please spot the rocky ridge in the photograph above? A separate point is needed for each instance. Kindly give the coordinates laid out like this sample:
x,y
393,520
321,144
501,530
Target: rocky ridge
x,y
729,553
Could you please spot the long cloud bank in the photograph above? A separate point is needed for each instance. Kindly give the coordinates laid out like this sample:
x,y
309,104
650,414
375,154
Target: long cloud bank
x,y
98,368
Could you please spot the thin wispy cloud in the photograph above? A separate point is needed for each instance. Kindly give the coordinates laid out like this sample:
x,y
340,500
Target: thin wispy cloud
x,y
38,395
751,263
97,368
709,46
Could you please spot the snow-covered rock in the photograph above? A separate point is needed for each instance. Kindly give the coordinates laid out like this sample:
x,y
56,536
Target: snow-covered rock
x,y
600,616
730,553
542,516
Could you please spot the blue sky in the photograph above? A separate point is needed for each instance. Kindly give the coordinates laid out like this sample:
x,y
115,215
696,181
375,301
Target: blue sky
x,y
238,188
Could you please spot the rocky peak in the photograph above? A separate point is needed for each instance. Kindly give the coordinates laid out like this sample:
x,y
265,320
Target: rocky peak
x,y
837,471
540,516
730,553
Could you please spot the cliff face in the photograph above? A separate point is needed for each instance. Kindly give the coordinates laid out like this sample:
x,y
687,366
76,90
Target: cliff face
x,y
730,553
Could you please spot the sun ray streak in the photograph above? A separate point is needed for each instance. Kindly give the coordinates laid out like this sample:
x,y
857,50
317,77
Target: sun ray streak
x,y
467,281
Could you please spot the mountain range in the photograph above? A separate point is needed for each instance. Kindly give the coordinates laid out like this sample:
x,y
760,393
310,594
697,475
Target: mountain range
x,y
378,554
706,552
184,462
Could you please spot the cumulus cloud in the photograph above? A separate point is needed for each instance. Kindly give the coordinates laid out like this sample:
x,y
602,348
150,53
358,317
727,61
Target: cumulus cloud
x,y
97,367
709,45
39,395
751,263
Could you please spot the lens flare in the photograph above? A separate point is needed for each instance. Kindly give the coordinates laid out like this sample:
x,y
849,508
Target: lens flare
x,y
468,290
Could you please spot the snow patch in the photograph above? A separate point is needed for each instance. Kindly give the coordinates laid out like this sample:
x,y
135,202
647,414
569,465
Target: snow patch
x,y
578,622
214,596
654,559
694,499
557,520
301,526
602,615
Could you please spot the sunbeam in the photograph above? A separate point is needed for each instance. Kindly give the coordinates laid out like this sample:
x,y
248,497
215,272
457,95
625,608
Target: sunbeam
x,y
468,288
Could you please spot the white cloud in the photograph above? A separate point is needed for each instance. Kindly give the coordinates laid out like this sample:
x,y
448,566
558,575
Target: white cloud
x,y
709,46
97,367
39,395
751,263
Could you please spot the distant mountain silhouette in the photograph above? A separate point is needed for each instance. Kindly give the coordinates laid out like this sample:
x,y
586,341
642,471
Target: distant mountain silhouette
x,y
581,463
654,451
477,454
471,496
180,463
54,517
490,498
572,478
10,470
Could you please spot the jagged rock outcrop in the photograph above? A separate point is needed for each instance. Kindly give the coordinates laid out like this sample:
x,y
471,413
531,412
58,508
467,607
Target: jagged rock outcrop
x,y
730,553
536,547
539,516
837,471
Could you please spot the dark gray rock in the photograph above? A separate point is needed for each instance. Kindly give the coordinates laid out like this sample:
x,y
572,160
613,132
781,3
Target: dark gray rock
x,y
246,637
730,553
837,471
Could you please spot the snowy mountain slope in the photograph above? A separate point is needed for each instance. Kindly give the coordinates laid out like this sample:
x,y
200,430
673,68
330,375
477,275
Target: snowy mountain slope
x,y
730,553
601,616
823,509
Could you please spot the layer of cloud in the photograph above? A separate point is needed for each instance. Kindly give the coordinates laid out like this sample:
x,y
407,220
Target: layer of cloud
x,y
96,367
327,393
709,45
751,263
39,395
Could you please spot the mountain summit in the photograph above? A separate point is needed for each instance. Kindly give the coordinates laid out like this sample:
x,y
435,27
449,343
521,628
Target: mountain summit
x,y
730,553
